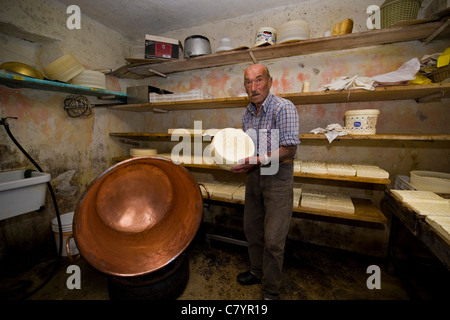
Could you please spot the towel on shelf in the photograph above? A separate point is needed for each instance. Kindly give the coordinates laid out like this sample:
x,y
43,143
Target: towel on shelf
x,y
345,82
332,131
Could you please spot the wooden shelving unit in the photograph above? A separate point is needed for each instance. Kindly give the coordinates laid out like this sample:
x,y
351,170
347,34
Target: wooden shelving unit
x,y
365,211
419,93
423,31
296,174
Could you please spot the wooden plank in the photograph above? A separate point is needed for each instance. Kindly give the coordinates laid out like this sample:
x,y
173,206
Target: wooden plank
x,y
341,178
414,92
347,41
408,92
154,136
296,174
237,102
417,225
380,136
365,211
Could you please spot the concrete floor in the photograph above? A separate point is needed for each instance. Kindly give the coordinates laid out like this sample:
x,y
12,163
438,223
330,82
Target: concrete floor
x,y
310,273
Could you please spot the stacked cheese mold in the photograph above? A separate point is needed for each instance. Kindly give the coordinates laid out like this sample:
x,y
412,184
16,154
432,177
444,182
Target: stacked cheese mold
x,y
91,79
339,168
330,201
428,204
64,69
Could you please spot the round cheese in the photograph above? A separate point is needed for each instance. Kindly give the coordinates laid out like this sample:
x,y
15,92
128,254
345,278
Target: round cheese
x,y
231,145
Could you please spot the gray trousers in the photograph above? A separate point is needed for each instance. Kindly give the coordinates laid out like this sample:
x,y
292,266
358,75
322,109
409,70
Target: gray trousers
x,y
267,217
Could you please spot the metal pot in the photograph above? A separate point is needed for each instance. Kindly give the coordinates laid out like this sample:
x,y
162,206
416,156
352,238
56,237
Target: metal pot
x,y
137,216
196,46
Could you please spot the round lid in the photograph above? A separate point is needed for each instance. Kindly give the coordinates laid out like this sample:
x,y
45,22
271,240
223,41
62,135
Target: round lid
x,y
137,216
231,145
362,112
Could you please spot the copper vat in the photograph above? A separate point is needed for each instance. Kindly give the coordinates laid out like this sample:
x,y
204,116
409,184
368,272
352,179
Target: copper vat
x,y
137,216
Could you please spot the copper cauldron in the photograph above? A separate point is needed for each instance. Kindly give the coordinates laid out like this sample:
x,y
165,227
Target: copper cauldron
x,y
137,216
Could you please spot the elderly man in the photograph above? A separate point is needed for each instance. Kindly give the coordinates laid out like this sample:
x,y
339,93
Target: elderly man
x,y
269,195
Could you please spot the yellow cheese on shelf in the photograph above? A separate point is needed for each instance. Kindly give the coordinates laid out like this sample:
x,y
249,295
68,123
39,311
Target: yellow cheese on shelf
x,y
343,27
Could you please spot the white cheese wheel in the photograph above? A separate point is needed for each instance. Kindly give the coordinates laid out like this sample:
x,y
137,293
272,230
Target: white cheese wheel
x,y
142,152
90,78
230,145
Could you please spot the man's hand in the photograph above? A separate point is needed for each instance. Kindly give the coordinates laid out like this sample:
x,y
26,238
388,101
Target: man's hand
x,y
247,164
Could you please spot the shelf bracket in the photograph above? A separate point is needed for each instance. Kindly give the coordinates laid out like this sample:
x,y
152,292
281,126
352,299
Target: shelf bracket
x,y
252,56
436,32
160,110
157,73
432,97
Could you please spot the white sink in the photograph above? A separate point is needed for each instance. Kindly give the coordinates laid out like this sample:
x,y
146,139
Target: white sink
x,y
19,195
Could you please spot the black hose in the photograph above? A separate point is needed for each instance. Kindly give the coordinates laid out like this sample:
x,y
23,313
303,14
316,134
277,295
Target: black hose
x,y
6,125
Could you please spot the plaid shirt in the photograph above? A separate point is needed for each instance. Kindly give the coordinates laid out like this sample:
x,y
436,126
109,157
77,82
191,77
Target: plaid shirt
x,y
275,113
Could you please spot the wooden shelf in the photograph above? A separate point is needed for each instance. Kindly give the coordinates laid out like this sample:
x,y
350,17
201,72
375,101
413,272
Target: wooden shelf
x,y
296,174
419,93
18,81
149,136
423,31
365,211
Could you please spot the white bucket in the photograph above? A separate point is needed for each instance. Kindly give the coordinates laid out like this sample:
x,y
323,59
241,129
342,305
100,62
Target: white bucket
x,y
361,121
66,226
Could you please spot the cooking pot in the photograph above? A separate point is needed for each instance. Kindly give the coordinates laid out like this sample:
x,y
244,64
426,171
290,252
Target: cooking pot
x,y
137,216
196,45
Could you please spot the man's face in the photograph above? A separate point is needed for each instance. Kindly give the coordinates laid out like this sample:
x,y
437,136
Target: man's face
x,y
257,84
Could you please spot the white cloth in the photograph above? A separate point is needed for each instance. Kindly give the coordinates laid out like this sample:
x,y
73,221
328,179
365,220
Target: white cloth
x,y
401,76
345,82
404,74
332,131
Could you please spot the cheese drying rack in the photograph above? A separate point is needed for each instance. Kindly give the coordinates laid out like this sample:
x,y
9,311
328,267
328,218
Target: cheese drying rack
x,y
366,213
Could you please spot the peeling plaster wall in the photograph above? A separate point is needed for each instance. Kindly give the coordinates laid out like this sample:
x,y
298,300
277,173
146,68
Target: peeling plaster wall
x,y
80,148
73,150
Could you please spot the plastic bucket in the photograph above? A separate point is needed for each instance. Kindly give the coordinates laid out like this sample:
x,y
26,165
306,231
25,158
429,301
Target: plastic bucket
x,y
361,121
66,226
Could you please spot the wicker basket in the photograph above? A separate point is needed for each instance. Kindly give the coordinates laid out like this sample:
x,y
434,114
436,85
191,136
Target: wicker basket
x,y
440,74
392,11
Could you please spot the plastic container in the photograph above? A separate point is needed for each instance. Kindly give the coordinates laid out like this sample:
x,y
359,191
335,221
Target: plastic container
x,y
229,146
393,11
195,94
438,182
66,226
362,121
266,36
19,195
